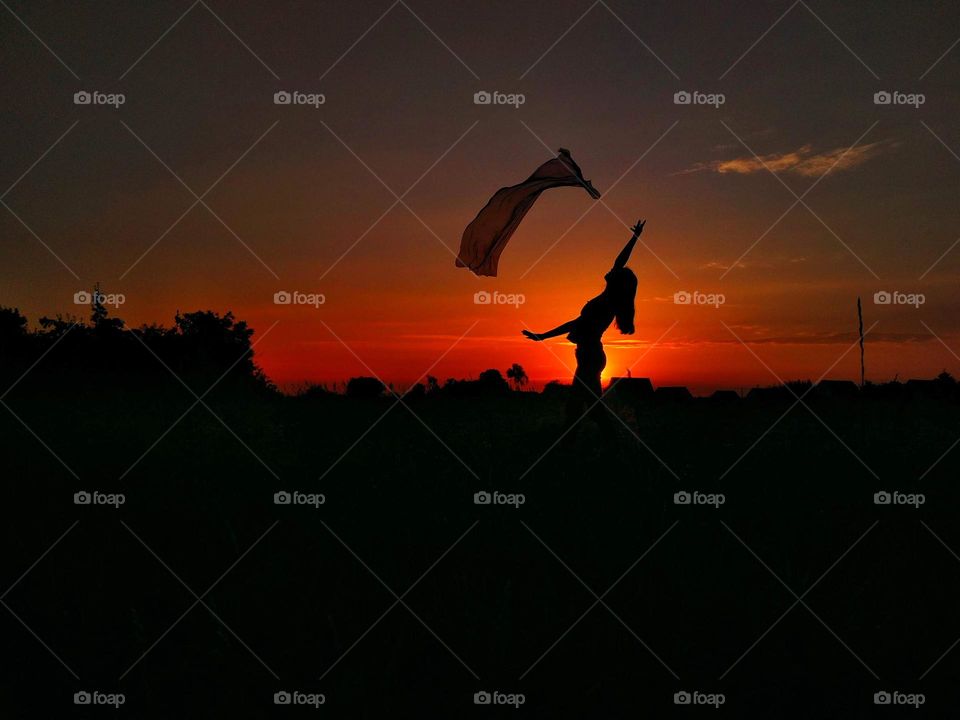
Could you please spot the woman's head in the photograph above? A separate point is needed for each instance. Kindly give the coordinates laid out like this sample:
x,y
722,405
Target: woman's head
x,y
622,287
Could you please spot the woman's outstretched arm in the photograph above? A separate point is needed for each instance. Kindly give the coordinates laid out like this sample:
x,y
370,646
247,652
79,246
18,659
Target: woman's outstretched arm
x,y
624,255
564,329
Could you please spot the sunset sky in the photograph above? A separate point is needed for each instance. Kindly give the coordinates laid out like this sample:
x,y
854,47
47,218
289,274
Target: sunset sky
x,y
306,198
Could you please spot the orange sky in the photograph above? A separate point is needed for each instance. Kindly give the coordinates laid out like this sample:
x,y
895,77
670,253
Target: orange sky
x,y
299,204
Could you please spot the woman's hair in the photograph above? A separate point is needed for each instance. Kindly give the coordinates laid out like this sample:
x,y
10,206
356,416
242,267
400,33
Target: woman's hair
x,y
622,286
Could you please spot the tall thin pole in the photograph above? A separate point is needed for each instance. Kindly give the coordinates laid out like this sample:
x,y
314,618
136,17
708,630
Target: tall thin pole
x,y
860,318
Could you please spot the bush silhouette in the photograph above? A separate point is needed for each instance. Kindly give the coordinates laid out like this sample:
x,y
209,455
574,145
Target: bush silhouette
x,y
489,383
365,387
202,346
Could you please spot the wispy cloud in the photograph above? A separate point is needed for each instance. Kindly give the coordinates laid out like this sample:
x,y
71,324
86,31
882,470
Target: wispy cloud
x,y
838,338
802,161
816,339
718,265
755,264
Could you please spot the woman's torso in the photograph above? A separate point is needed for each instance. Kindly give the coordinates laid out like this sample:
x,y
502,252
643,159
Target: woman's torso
x,y
595,318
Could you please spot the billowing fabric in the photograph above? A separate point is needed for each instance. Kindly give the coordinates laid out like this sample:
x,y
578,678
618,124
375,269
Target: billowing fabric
x,y
486,237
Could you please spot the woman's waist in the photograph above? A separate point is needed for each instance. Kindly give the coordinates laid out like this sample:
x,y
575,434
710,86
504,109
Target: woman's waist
x,y
586,338
589,349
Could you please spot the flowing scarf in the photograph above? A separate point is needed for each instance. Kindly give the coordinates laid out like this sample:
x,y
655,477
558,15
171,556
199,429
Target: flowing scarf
x,y
488,234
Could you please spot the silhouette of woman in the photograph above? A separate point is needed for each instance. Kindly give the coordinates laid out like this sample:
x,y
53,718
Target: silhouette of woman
x,y
616,302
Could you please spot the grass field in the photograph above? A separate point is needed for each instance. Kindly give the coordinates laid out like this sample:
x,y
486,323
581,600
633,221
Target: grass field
x,y
398,596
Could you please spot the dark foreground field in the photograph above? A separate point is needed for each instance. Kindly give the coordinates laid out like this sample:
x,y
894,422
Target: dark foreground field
x,y
401,597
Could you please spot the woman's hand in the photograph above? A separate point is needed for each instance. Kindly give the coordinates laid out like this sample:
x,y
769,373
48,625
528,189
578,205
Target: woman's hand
x,y
638,228
532,336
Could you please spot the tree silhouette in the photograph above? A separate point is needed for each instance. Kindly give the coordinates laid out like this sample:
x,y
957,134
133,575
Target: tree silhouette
x,y
12,323
200,348
365,387
98,313
517,375
491,382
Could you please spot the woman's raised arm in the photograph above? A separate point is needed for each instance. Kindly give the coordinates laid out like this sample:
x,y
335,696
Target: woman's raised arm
x,y
624,255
